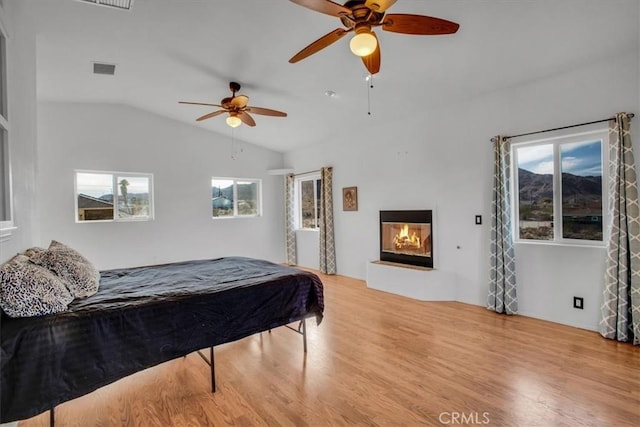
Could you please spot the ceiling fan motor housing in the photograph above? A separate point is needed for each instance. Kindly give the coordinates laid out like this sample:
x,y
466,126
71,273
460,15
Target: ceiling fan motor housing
x,y
360,14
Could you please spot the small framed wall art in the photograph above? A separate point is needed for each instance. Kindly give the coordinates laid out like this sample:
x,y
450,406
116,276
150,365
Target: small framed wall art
x,y
350,199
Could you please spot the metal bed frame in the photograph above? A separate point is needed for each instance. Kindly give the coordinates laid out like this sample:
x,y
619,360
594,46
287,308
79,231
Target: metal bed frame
x,y
301,329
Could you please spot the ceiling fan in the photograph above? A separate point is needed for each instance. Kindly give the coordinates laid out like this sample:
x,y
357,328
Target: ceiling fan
x,y
360,16
237,108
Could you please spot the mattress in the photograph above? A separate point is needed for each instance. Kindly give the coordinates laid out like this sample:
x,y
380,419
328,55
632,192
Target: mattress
x,y
141,317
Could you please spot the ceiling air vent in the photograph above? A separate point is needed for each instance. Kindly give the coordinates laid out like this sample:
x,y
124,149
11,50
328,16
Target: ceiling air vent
x,y
102,68
116,4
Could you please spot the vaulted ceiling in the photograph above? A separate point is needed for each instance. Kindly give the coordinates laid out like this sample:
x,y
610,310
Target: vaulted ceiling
x,y
172,50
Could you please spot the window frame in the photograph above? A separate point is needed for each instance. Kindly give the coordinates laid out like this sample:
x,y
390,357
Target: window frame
x,y
315,177
235,196
8,225
598,134
114,180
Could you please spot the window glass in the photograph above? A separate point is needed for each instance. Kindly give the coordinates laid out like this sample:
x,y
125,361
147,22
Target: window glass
x,y
581,164
247,198
222,197
318,200
3,76
535,192
308,204
6,196
5,178
133,197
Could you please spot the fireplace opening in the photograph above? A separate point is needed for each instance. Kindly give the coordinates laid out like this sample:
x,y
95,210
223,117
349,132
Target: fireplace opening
x,y
406,237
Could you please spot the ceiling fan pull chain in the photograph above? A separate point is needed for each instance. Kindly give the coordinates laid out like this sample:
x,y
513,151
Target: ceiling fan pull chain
x,y
369,81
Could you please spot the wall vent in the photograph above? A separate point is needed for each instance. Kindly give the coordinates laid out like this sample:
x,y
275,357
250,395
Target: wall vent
x,y
116,4
102,68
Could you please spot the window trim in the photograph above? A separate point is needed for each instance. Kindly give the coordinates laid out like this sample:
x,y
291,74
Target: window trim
x,y
115,175
312,176
601,134
235,196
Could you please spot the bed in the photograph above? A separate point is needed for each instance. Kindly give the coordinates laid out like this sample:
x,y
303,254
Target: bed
x,y
144,316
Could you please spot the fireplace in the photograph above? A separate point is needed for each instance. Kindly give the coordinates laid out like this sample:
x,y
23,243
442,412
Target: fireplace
x,y
406,237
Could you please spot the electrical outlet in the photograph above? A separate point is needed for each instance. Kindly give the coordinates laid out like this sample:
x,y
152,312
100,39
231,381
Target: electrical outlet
x,y
478,219
578,302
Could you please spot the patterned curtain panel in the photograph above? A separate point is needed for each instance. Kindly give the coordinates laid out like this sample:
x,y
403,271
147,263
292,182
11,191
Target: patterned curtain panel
x,y
502,284
327,243
620,313
289,215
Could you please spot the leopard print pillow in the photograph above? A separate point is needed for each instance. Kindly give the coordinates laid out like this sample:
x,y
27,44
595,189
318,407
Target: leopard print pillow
x,y
77,272
34,254
27,289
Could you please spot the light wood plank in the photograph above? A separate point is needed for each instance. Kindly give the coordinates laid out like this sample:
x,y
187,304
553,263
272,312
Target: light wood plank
x,y
382,359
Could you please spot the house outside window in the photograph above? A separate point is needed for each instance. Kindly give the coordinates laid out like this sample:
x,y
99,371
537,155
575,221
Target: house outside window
x,y
236,197
113,196
560,189
308,192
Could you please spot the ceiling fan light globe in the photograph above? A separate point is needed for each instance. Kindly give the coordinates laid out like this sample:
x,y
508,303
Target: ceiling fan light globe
x,y
363,44
234,121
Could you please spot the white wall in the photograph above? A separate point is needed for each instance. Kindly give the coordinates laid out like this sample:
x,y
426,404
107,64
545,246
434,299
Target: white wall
x,y
308,248
441,160
21,92
182,158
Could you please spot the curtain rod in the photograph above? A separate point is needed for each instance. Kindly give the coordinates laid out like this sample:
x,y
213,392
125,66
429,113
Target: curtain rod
x,y
304,173
504,138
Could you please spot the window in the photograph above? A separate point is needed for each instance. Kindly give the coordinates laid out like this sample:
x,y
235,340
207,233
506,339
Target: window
x,y
309,190
6,197
235,197
113,196
560,188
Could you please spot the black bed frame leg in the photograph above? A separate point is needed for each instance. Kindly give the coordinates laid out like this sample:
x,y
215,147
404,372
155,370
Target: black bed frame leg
x,y
213,371
51,417
304,334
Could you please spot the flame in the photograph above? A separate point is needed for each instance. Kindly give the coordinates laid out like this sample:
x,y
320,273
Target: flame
x,y
402,240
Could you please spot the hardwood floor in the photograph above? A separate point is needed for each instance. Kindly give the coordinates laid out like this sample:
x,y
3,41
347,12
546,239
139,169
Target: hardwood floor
x,y
382,359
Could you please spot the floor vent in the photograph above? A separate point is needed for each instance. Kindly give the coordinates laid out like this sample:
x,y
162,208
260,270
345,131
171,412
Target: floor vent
x,y
102,68
116,4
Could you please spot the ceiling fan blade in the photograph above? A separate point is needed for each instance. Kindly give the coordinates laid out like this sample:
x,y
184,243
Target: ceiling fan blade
x,y
418,24
208,116
199,103
246,118
379,5
266,112
240,101
372,62
319,44
324,6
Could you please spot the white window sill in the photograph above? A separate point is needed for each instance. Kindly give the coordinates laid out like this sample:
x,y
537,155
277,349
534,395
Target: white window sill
x,y
592,245
6,233
215,218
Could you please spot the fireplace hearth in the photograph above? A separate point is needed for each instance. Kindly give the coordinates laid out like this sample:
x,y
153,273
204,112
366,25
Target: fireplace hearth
x,y
406,237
